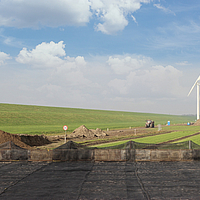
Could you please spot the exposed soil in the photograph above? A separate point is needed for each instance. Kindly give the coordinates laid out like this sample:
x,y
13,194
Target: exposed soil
x,y
84,132
81,134
24,141
6,137
92,137
197,123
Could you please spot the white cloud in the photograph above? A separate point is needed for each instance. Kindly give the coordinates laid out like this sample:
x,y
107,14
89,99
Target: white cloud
x,y
155,81
113,13
164,81
36,13
132,74
61,72
51,55
114,20
3,57
184,63
44,55
166,10
119,82
134,19
125,64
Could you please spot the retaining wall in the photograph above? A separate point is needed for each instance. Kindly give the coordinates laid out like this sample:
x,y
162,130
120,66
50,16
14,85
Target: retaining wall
x,y
99,155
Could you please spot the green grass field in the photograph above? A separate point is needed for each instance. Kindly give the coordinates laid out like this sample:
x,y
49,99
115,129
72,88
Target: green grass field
x,y
26,119
178,132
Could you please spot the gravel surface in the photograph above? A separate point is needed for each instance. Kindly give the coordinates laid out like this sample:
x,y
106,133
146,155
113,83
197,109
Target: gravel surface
x,y
100,180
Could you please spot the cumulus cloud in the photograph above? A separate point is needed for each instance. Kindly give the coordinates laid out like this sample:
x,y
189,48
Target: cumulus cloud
x,y
125,64
3,57
63,71
126,74
164,81
49,55
114,20
117,82
112,14
44,55
141,80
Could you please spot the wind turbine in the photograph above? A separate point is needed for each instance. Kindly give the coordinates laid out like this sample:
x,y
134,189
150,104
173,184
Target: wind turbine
x,y
196,83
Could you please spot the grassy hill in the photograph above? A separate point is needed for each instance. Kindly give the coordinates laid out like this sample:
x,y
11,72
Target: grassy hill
x,y
26,119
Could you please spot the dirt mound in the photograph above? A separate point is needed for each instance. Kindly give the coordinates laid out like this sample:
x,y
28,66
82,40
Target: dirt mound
x,y
197,123
99,133
6,137
24,141
83,132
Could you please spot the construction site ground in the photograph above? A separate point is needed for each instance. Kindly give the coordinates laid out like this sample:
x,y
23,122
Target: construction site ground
x,y
100,180
96,180
112,136
51,142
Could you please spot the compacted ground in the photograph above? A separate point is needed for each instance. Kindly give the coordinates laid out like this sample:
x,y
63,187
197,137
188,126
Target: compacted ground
x,y
100,180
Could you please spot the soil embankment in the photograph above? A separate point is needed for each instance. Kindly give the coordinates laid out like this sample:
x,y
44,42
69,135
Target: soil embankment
x,y
23,141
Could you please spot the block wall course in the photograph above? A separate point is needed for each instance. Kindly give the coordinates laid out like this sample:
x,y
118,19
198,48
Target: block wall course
x,y
100,155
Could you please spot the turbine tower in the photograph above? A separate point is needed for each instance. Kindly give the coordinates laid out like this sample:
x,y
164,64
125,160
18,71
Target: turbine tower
x,y
196,83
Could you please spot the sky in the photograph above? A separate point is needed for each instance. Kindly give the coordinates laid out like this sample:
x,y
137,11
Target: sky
x,y
125,55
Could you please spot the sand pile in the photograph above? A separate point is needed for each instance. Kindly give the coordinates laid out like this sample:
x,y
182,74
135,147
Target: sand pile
x,y
84,132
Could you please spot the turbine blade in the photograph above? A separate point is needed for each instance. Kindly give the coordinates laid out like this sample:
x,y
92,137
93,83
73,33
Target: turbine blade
x,y
194,85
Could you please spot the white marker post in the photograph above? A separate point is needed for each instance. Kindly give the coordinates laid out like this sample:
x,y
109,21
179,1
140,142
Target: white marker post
x,y
65,127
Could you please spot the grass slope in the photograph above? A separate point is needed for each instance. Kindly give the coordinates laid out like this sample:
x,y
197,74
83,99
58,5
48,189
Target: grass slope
x,y
26,119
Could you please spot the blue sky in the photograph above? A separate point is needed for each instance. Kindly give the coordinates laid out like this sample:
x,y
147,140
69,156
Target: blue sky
x,y
132,55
